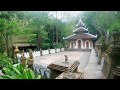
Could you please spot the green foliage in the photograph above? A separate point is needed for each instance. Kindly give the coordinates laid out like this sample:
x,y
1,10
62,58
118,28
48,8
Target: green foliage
x,y
47,29
99,22
115,26
4,60
45,45
59,45
101,40
18,72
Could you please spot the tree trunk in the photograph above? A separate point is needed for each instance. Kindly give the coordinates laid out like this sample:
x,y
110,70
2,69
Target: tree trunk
x,y
53,35
38,41
56,31
7,45
56,35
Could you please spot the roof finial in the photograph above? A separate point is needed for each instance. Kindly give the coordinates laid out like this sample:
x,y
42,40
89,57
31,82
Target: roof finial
x,y
80,24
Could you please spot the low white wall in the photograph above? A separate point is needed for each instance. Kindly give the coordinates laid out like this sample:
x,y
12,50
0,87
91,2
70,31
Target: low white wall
x,y
44,52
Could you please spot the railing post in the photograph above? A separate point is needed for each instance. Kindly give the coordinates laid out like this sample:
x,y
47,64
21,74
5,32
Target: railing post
x,y
55,50
49,51
41,54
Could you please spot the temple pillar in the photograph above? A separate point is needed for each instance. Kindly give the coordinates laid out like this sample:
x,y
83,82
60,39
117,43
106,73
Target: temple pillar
x,y
76,44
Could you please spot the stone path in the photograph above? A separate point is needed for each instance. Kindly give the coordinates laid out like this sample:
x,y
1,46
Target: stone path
x,y
83,61
92,70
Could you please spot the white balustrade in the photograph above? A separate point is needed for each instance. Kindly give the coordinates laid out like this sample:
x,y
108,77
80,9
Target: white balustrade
x,y
62,49
34,54
39,53
52,50
58,49
27,54
18,57
45,52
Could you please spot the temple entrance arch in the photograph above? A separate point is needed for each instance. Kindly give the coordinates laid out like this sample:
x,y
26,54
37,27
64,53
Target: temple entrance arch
x,y
87,44
79,44
71,44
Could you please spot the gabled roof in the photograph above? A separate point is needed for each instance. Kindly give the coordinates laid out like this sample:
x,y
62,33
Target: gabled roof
x,y
80,33
80,29
80,36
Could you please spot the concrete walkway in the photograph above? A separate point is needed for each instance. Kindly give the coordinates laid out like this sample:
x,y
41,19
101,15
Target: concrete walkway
x,y
92,70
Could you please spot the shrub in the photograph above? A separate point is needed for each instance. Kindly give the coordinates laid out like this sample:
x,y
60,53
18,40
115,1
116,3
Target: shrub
x,y
18,72
4,60
59,45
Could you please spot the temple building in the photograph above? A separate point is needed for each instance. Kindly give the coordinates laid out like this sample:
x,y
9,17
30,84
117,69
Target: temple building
x,y
23,42
81,39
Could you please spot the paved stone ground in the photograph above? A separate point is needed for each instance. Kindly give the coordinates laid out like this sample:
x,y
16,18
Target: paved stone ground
x,y
72,55
88,62
92,70
83,61
41,62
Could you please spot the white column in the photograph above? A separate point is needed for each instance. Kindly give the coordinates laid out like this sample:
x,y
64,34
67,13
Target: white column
x,y
73,44
81,44
70,45
92,45
76,44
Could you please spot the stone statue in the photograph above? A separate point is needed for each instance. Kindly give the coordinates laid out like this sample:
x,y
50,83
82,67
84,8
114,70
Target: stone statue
x,y
116,37
30,63
66,58
16,49
23,60
31,54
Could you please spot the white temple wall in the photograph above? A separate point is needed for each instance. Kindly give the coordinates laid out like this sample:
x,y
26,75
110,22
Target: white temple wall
x,y
83,44
71,44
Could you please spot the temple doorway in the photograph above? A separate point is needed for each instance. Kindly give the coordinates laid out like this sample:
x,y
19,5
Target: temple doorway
x,y
72,45
87,45
79,44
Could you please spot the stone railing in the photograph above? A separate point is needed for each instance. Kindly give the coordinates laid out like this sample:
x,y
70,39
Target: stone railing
x,y
109,57
40,53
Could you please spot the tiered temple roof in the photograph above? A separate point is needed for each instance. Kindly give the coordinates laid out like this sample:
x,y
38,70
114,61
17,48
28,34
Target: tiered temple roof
x,y
80,32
